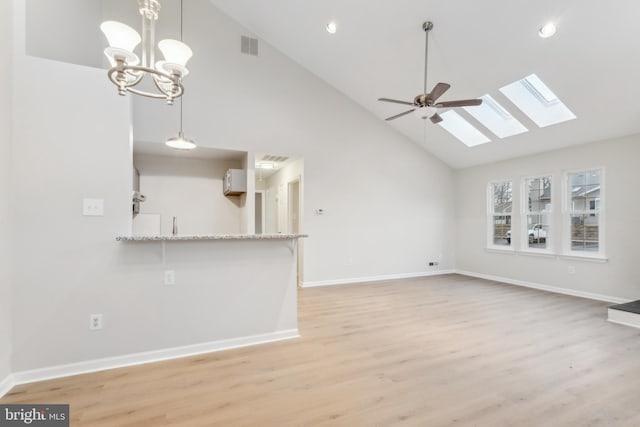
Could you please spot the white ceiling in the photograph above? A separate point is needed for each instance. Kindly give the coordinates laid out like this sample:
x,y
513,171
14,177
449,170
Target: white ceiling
x,y
592,63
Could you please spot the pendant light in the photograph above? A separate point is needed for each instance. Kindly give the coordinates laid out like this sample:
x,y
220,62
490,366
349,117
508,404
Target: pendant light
x,y
180,142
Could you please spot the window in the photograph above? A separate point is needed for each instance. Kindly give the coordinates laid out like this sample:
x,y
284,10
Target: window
x,y
495,118
537,211
500,206
463,130
537,101
584,212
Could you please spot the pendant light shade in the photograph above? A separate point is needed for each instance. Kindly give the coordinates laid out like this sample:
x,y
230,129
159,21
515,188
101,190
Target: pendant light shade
x,y
120,36
180,142
175,52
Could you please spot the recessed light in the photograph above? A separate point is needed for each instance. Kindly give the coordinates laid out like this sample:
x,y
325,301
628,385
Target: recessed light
x,y
547,30
332,27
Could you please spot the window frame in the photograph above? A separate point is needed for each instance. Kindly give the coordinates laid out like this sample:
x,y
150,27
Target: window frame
x,y
491,214
568,211
524,215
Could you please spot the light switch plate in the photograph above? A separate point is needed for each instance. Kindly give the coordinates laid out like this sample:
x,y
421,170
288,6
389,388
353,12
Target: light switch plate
x,y
169,277
93,207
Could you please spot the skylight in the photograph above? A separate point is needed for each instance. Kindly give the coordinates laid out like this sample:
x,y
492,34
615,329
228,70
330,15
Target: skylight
x,y
537,101
495,118
463,130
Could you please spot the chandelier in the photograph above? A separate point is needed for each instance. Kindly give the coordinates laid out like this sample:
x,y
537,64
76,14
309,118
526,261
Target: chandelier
x,y
127,70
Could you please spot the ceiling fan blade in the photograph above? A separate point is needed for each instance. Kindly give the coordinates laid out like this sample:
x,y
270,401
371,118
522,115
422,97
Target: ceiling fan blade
x,y
436,118
437,92
461,103
395,101
400,115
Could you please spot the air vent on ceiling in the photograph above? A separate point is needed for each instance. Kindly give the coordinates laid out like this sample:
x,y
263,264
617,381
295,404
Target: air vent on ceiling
x,y
249,45
273,158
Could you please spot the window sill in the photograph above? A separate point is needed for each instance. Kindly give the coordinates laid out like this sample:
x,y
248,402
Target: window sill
x,y
587,258
499,250
543,254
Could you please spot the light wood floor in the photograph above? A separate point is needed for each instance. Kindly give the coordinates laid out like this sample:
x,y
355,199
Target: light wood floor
x,y
440,351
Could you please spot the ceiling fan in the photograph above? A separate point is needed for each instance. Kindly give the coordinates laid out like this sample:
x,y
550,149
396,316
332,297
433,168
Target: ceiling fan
x,y
425,105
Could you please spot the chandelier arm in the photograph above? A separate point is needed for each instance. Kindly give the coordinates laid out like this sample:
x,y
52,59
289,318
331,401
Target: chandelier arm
x,y
176,86
174,79
122,85
147,94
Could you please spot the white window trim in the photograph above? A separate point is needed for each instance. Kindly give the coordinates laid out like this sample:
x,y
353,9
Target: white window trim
x,y
524,212
490,214
567,253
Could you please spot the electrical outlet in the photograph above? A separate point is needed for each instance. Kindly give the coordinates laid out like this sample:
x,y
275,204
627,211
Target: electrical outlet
x,y
571,269
433,263
95,322
169,277
93,207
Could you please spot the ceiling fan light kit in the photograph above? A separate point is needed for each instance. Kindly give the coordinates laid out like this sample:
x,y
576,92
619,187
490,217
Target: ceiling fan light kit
x,y
425,112
425,105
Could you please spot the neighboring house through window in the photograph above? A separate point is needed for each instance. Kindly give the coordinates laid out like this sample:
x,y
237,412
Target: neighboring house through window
x,y
537,212
584,212
500,207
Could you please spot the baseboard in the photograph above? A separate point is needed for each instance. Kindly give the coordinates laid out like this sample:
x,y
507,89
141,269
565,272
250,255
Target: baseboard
x,y
374,278
558,290
6,385
633,325
89,366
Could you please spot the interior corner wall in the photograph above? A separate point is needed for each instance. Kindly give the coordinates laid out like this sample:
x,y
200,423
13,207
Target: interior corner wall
x,y
388,203
6,277
617,278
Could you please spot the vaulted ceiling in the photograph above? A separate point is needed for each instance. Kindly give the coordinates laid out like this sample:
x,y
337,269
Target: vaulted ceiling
x,y
592,63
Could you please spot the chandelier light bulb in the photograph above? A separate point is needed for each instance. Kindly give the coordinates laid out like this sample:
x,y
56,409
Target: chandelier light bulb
x,y
175,52
120,36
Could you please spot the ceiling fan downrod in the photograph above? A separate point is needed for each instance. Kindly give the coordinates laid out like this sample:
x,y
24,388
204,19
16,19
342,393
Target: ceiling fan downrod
x,y
426,26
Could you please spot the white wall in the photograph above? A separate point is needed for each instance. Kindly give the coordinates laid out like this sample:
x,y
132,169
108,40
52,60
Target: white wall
x,y
72,140
81,269
617,278
191,190
6,225
74,23
389,204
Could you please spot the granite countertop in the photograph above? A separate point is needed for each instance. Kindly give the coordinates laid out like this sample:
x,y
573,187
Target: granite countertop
x,y
210,237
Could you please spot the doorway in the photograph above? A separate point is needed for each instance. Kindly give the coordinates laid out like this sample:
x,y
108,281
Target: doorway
x,y
294,215
260,212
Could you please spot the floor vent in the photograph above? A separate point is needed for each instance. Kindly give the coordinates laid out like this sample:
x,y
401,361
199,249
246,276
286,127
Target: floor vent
x,y
248,45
